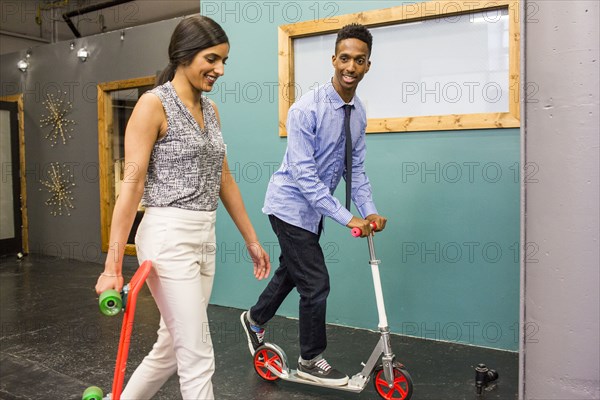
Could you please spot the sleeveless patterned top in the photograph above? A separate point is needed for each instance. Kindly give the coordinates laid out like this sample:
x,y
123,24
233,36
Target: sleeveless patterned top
x,y
185,165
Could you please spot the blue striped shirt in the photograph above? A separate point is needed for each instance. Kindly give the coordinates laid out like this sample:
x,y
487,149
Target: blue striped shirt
x,y
300,192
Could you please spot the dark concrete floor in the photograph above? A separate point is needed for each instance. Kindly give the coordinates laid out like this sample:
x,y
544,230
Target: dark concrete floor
x,y
54,343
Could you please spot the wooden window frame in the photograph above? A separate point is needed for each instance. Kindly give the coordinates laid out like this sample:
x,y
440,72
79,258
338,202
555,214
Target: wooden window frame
x,y
18,98
399,15
105,153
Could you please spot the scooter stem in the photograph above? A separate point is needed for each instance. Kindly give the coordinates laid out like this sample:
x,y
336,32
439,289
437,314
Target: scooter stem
x,y
374,262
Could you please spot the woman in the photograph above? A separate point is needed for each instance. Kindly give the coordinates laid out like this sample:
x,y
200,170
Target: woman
x,y
176,164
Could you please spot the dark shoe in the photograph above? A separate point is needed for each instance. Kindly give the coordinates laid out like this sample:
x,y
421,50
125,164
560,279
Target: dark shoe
x,y
255,334
320,371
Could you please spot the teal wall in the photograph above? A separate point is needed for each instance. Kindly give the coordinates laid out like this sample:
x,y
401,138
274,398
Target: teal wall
x,y
449,255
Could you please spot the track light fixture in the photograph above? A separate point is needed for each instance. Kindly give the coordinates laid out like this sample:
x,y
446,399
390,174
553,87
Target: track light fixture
x,y
23,63
83,54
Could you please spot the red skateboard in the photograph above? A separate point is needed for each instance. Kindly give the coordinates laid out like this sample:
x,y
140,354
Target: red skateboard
x,y
111,303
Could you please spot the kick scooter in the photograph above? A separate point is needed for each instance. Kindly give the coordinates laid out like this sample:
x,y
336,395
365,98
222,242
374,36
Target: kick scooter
x,y
111,303
390,377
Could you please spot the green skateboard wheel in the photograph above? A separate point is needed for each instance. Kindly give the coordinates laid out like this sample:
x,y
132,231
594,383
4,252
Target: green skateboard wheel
x,y
92,393
110,303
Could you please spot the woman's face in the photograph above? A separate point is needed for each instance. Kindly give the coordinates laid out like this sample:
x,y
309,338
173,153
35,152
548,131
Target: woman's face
x,y
207,66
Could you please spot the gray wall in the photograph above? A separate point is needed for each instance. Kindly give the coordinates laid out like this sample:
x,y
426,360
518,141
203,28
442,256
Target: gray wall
x,y
560,357
56,70
9,44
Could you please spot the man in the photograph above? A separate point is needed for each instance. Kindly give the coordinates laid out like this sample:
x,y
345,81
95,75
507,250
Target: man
x,y
299,196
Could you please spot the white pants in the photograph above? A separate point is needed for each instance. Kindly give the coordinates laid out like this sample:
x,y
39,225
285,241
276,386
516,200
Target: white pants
x,y
181,245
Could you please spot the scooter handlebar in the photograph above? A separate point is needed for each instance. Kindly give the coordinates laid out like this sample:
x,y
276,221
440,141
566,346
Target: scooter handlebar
x,y
356,232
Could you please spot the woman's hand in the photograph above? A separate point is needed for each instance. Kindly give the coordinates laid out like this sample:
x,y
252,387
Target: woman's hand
x,y
260,259
109,280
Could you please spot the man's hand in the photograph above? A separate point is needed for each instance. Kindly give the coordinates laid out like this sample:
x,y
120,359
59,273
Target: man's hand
x,y
379,221
362,224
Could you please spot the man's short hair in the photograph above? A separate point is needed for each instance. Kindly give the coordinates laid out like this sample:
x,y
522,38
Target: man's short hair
x,y
355,31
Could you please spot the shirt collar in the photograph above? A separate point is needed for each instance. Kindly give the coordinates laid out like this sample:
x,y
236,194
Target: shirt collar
x,y
334,97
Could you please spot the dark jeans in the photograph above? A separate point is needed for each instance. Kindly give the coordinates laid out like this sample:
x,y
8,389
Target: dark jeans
x,y
301,265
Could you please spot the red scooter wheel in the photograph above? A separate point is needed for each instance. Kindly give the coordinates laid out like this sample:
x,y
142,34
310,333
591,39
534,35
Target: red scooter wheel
x,y
264,357
402,388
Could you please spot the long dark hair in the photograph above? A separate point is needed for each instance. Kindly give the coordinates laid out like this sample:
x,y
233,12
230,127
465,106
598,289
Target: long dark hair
x,y
192,35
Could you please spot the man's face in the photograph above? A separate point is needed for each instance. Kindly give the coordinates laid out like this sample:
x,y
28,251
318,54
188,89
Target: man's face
x,y
351,63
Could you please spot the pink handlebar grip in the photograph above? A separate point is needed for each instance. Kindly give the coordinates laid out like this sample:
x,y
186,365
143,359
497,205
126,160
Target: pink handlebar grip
x,y
356,232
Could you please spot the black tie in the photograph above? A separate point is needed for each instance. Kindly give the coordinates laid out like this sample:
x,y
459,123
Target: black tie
x,y
347,109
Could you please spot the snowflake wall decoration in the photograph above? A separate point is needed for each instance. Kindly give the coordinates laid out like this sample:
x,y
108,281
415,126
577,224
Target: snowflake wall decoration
x,y
56,118
59,185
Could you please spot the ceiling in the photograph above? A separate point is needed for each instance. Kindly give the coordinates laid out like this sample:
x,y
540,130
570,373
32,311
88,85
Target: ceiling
x,y
29,23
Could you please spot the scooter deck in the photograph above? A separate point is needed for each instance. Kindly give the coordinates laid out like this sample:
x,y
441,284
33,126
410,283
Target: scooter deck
x,y
292,376
135,284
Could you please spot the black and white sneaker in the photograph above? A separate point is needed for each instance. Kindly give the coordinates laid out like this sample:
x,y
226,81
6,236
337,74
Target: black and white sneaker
x,y
255,334
321,372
